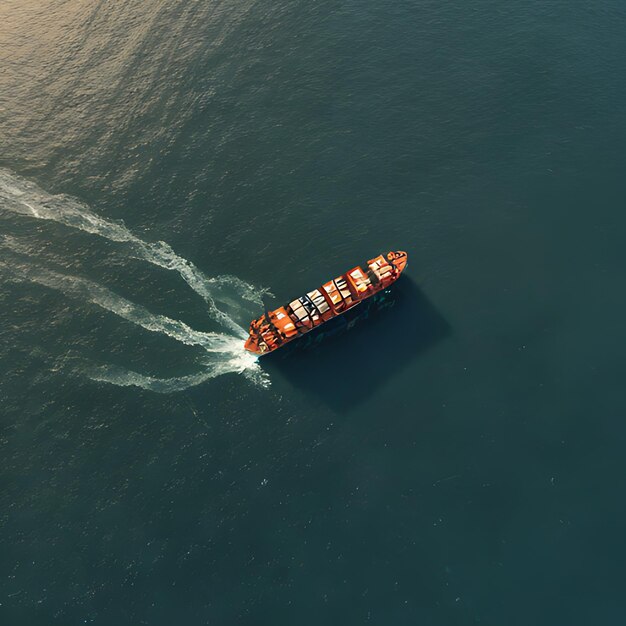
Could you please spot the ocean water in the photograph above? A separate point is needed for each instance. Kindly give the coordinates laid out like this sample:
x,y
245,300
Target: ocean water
x,y
167,168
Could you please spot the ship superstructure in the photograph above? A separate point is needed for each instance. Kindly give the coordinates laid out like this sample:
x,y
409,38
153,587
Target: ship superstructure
x,y
275,328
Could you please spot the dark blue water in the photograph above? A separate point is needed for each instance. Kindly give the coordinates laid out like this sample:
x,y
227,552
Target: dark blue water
x,y
456,460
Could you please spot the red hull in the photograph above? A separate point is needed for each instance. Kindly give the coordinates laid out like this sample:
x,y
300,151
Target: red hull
x,y
274,329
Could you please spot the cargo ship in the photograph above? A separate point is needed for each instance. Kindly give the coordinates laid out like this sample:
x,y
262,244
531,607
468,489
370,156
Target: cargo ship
x,y
274,329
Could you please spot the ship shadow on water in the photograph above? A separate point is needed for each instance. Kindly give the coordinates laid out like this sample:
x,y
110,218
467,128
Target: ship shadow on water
x,y
346,369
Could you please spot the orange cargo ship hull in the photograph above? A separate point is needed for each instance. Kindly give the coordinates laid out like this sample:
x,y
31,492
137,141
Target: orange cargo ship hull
x,y
274,329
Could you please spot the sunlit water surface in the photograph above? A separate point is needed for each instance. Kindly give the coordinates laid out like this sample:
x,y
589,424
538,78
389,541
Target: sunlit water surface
x,y
167,168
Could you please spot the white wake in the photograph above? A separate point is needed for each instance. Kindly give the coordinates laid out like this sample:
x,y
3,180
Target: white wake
x,y
224,350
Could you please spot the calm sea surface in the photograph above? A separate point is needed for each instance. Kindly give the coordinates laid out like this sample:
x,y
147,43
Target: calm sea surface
x,y
167,166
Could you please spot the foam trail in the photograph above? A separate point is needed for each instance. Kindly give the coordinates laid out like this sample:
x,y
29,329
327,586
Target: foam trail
x,y
26,198
135,313
225,353
128,378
